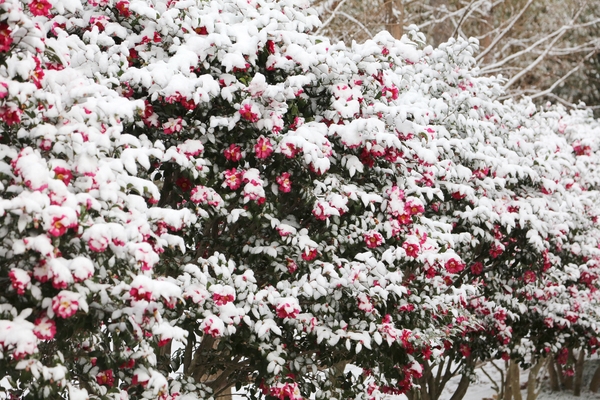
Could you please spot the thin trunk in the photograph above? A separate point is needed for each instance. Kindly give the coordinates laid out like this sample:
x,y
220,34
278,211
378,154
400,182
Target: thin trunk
x,y
465,380
569,378
507,383
578,373
553,376
595,383
532,381
561,376
515,384
394,18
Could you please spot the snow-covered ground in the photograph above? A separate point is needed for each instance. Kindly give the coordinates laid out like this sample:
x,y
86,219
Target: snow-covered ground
x,y
482,388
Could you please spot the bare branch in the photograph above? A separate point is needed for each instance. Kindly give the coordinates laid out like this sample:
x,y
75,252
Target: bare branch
x,y
357,22
543,55
331,17
504,32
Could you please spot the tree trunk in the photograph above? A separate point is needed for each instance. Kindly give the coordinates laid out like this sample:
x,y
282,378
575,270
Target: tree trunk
x,y
394,18
515,380
578,373
595,383
553,376
507,385
532,381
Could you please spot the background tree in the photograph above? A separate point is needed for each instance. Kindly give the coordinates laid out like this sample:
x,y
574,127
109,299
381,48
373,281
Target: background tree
x,y
545,49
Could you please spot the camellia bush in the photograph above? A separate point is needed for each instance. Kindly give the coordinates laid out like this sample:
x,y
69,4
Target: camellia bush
x,y
200,195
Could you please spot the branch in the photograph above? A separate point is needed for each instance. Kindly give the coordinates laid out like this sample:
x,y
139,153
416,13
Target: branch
x,y
538,60
467,12
357,22
564,78
331,17
504,32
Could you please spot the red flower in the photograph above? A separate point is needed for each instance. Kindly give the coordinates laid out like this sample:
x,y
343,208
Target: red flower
x,y
454,266
247,113
5,37
309,255
201,30
529,277
105,378
411,249
263,148
58,227
40,8
233,153
465,350
373,239
11,116
123,7
233,179
184,184
271,46
476,268
283,180
45,328
63,174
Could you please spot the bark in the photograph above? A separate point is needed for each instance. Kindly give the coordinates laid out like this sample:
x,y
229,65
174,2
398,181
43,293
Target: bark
x,y
553,377
515,385
394,17
532,381
578,373
595,383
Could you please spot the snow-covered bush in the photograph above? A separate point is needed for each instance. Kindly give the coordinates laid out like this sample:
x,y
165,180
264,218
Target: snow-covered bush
x,y
197,195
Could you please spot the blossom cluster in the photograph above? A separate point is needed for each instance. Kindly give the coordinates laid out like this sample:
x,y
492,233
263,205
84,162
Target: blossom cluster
x,y
202,195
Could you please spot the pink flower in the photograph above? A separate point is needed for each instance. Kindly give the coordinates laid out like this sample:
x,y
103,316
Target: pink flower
x,y
98,244
65,304
184,184
172,125
248,114
45,328
63,174
206,195
309,254
364,303
496,250
233,179
41,272
373,239
529,276
40,8
291,265
10,116
213,326
59,226
139,292
390,92
285,391
283,180
288,308
454,266
413,206
263,148
233,153
222,294
288,150
20,280
105,378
